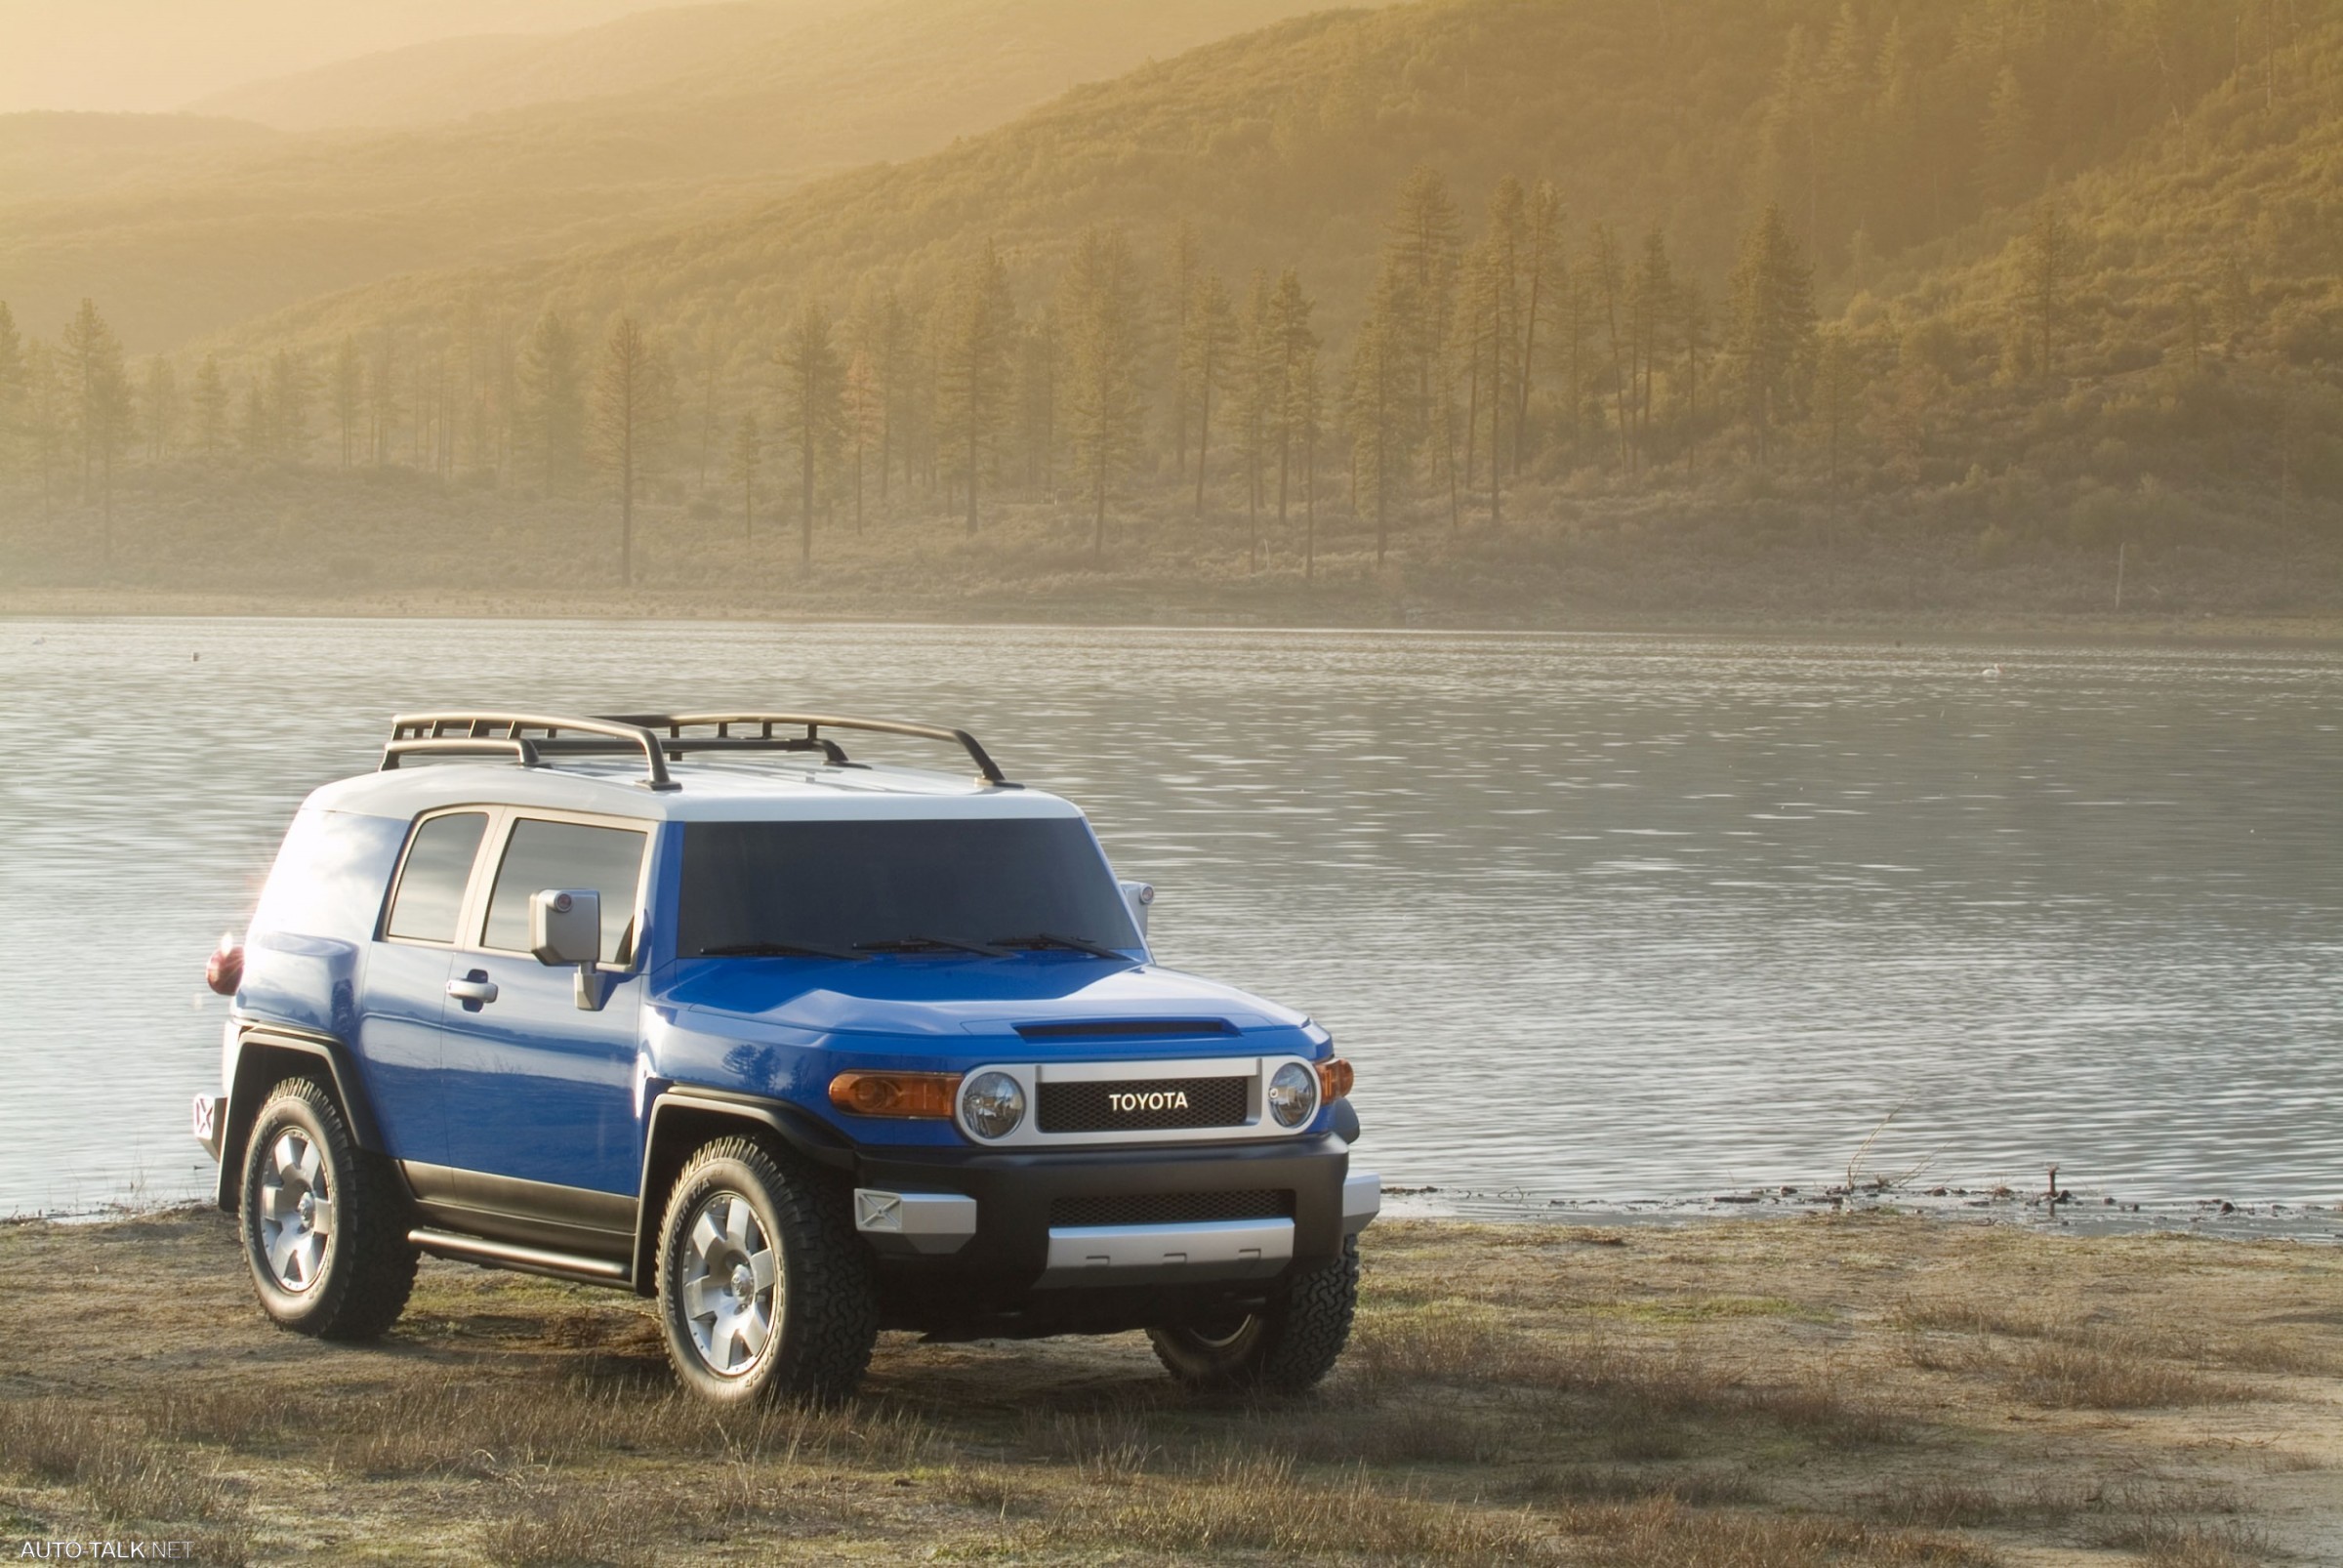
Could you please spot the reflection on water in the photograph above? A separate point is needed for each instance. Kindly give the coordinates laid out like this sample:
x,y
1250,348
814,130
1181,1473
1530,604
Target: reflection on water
x,y
1598,917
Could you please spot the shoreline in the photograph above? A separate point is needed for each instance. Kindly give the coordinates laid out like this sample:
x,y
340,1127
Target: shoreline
x,y
1942,627
2315,1223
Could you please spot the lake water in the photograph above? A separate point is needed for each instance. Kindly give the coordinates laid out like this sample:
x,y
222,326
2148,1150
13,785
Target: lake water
x,y
1599,919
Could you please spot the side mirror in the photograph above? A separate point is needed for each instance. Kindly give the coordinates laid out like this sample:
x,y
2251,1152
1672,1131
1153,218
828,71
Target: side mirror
x,y
565,928
1139,897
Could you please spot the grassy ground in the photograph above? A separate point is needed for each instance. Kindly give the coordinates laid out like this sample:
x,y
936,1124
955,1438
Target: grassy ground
x,y
1728,1394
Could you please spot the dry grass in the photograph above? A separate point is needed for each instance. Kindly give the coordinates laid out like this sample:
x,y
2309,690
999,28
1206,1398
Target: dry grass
x,y
1737,1395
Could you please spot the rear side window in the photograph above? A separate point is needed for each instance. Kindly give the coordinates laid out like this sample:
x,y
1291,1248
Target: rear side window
x,y
431,885
568,855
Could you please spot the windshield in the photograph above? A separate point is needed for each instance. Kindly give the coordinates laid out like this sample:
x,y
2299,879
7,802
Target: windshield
x,y
817,885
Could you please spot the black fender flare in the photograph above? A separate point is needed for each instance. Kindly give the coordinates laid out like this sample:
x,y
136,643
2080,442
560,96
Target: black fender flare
x,y
265,1055
681,1119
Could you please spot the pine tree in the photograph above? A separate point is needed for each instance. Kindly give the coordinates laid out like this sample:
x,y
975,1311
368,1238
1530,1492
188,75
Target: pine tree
x,y
1837,382
634,403
1305,419
885,334
1292,341
1606,283
1544,272
13,392
210,402
1376,398
382,404
2046,262
710,352
1259,395
748,456
254,432
552,398
1475,323
101,406
1206,354
350,391
158,408
1507,232
288,406
864,411
1037,399
1772,329
977,326
811,382
48,416
1106,404
1422,248
1651,305
1693,327
1183,273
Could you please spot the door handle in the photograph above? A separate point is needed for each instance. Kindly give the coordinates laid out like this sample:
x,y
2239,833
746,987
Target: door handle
x,y
473,990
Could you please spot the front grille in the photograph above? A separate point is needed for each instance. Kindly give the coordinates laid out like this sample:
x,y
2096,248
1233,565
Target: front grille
x,y
1145,1104
1171,1208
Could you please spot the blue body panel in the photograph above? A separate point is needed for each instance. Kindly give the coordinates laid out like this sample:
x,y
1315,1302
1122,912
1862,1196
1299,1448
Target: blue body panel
x,y
533,1087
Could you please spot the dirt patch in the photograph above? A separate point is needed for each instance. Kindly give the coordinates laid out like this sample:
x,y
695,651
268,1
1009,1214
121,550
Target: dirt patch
x,y
1845,1390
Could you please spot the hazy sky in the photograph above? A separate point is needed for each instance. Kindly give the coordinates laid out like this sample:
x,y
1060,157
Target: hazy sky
x,y
157,54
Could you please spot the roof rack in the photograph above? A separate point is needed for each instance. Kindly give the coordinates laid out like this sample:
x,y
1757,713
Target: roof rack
x,y
531,739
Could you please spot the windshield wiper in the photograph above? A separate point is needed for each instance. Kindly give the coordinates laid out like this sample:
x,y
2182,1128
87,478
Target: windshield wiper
x,y
780,950
918,944
1073,944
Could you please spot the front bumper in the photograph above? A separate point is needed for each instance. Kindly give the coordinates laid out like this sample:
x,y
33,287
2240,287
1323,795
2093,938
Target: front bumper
x,y
985,1215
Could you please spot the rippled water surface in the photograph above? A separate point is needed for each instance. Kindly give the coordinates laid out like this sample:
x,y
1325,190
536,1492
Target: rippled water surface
x,y
1599,918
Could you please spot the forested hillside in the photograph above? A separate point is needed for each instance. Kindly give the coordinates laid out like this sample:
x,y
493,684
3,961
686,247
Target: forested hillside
x,y
1465,308
732,105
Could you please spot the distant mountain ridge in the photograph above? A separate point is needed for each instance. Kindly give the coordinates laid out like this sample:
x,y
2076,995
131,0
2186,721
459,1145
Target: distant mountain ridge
x,y
455,78
178,243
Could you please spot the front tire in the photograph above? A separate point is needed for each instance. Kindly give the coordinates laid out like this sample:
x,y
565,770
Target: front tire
x,y
765,1290
1286,1347
325,1223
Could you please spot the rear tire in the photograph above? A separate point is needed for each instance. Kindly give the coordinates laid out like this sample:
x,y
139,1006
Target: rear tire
x,y
325,1223
1286,1347
765,1290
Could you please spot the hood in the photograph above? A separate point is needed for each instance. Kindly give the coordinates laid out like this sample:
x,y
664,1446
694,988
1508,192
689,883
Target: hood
x,y
939,997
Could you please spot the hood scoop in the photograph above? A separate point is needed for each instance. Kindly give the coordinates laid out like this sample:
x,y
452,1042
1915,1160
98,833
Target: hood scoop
x,y
1127,1029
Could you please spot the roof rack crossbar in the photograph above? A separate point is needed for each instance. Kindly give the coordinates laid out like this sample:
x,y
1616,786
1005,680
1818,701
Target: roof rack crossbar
x,y
723,724
492,734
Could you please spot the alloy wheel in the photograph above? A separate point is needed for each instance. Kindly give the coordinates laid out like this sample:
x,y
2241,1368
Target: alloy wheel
x,y
297,1211
732,1293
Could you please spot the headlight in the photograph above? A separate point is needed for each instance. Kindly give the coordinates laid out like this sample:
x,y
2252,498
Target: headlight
x,y
993,1104
1292,1094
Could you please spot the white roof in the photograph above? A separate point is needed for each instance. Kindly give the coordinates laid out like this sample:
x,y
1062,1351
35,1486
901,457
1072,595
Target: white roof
x,y
778,786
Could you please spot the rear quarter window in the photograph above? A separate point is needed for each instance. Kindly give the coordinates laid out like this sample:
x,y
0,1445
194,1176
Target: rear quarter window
x,y
329,876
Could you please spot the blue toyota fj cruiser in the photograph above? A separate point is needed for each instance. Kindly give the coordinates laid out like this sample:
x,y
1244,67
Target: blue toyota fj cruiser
x,y
806,1047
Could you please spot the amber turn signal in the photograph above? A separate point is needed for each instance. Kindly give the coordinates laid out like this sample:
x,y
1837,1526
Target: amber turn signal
x,y
1334,1079
895,1093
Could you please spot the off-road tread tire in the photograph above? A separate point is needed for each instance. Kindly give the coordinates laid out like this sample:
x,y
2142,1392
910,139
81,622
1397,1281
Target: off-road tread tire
x,y
829,1312
370,1267
1295,1340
